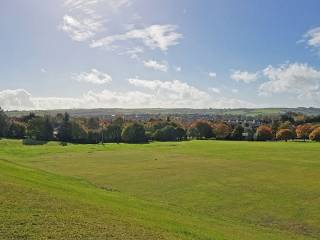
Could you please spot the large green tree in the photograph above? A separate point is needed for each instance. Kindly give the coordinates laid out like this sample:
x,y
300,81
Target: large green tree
x,y
200,129
134,133
112,133
40,128
65,129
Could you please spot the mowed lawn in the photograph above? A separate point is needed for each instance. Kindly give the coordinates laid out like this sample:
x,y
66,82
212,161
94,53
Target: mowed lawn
x,y
187,190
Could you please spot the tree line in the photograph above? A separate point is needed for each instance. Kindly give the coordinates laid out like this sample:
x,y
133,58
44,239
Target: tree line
x,y
93,130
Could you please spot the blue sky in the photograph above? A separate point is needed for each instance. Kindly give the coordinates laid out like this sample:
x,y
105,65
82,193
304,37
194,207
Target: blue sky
x,y
142,53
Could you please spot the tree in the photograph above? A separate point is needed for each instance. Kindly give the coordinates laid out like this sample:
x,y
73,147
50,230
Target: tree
x,y
221,130
40,128
275,127
168,133
181,133
263,133
93,123
3,123
286,125
204,129
193,133
78,133
94,137
303,131
237,133
112,133
47,128
249,133
65,129
16,130
285,134
289,116
119,121
315,135
134,133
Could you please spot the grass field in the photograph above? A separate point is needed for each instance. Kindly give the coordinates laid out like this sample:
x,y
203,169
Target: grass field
x,y
188,190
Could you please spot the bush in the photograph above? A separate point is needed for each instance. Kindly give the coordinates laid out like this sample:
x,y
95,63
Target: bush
x,y
30,141
134,133
285,134
263,133
315,135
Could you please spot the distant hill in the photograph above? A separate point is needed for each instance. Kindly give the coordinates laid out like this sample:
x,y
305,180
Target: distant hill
x,y
168,111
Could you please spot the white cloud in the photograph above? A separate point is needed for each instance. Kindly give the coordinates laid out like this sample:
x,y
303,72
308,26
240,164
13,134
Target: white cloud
x,y
81,29
215,90
156,65
182,96
155,37
244,76
153,94
297,78
178,69
17,99
43,70
172,93
94,77
312,37
235,90
212,74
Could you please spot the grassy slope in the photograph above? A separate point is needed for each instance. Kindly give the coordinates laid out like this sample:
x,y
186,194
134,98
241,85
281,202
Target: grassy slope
x,y
189,190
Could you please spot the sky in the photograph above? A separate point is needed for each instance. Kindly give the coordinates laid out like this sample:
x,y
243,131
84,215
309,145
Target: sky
x,y
63,54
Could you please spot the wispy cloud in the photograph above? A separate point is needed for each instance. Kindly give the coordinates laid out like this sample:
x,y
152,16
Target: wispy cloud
x,y
81,29
312,38
154,37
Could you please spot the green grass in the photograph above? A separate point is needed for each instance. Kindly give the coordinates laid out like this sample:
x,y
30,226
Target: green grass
x,y
188,190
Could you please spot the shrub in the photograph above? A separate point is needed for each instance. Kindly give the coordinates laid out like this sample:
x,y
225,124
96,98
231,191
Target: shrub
x,y
30,141
134,133
285,134
263,133
315,135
